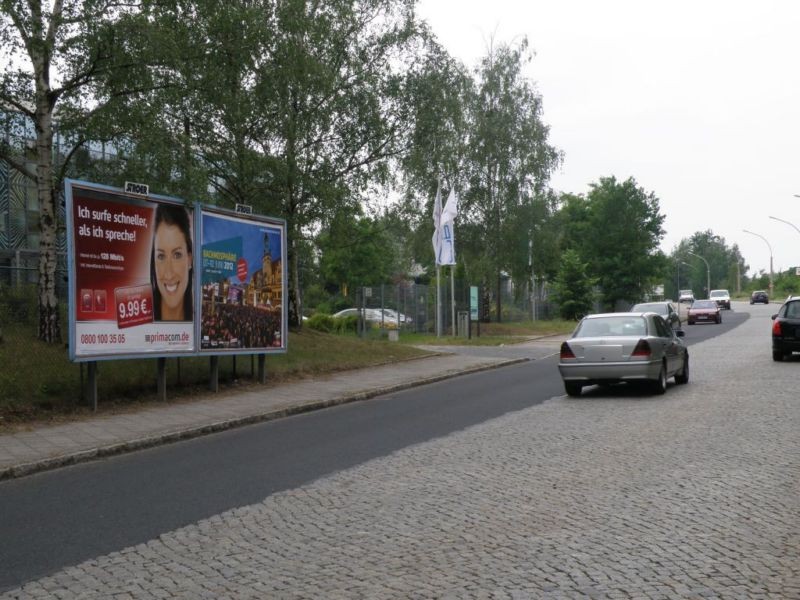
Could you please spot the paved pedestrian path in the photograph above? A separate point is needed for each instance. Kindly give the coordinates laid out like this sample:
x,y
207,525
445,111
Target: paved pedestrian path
x,y
47,447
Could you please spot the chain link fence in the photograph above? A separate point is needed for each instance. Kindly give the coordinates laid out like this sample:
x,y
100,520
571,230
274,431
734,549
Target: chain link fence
x,y
413,307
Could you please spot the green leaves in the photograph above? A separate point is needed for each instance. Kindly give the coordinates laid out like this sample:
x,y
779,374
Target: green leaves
x,y
617,230
573,288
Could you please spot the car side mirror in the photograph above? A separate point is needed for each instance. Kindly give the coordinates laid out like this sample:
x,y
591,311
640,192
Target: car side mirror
x,y
680,333
773,317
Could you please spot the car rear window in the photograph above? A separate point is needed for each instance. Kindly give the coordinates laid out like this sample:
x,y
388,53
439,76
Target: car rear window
x,y
612,327
704,304
792,310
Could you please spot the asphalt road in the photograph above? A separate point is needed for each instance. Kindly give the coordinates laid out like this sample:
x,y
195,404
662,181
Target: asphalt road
x,y
60,518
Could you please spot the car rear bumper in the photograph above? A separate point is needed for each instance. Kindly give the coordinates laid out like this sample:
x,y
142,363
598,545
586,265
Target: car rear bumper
x,y
704,318
785,345
589,373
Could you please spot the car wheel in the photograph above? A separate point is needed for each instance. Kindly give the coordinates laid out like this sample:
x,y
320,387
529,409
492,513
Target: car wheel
x,y
573,389
660,384
683,376
777,356
719,319
690,322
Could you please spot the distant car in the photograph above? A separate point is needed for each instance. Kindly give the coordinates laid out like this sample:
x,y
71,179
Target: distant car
x,y
786,329
721,297
623,347
704,311
759,296
665,309
686,296
397,317
372,316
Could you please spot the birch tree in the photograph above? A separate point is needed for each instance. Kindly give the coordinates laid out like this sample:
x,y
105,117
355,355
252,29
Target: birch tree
x,y
510,158
53,51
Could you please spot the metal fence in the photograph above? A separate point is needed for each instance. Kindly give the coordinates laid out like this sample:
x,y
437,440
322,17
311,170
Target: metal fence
x,y
413,307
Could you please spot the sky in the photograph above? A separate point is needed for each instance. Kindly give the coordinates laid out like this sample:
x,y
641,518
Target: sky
x,y
699,101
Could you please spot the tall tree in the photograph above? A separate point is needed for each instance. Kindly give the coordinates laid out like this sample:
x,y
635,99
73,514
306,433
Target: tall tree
x,y
355,252
510,159
725,263
437,89
57,52
621,243
337,111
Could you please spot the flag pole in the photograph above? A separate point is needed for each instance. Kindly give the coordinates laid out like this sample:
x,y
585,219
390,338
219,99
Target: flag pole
x,y
453,300
438,303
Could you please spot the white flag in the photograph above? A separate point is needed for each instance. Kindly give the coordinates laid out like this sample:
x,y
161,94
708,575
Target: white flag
x,y
446,250
437,216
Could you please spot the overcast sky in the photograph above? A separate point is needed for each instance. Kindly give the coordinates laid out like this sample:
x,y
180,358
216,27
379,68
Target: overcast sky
x,y
699,101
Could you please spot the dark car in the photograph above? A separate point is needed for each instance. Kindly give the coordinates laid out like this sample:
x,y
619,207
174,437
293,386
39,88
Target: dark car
x,y
759,296
665,309
786,330
704,311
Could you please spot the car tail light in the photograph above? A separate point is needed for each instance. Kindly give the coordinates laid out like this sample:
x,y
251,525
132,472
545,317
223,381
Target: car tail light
x,y
642,349
776,328
566,351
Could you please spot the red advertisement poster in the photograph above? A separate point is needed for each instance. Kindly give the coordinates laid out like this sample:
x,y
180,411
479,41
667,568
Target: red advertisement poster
x,y
133,274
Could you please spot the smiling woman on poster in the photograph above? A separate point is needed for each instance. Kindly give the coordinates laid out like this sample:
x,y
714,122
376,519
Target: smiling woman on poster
x,y
171,264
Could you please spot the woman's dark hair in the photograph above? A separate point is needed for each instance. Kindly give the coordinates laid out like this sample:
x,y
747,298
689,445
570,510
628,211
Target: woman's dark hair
x,y
172,214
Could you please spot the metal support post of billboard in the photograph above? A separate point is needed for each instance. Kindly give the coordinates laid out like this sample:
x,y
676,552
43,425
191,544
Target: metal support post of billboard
x,y
234,367
213,384
162,379
262,368
92,384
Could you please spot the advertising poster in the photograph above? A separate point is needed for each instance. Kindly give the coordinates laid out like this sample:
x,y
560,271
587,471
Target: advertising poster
x,y
131,274
242,263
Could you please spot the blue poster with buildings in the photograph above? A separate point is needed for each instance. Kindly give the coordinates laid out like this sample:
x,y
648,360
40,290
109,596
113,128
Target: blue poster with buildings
x,y
243,294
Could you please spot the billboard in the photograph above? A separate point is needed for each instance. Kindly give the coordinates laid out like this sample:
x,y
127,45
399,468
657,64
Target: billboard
x,y
131,273
242,283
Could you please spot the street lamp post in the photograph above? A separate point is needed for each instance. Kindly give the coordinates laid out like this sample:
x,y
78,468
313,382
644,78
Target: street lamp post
x,y
790,225
708,272
680,262
770,256
787,222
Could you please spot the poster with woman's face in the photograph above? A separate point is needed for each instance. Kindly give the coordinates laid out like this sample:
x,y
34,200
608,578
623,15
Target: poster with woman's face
x,y
131,274
242,284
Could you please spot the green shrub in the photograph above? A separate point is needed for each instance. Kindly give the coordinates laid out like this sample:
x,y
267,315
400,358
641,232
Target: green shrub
x,y
345,324
321,322
324,307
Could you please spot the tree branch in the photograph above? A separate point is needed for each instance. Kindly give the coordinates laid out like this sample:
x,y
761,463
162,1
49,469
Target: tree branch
x,y
17,165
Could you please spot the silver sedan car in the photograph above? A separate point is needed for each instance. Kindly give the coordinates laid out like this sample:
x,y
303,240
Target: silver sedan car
x,y
617,347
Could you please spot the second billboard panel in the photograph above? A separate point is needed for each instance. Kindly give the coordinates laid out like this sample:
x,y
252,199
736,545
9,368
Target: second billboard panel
x,y
242,284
